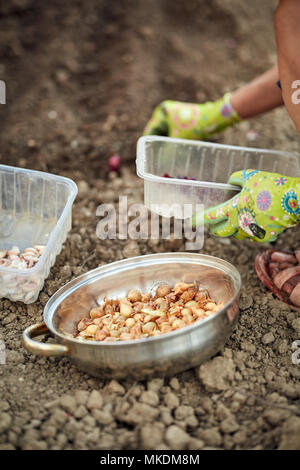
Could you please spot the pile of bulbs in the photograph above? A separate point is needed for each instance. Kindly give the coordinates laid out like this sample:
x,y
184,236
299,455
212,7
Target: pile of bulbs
x,y
15,259
140,315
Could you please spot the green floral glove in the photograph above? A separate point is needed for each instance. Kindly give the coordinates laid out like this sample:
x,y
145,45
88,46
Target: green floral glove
x,y
267,204
191,121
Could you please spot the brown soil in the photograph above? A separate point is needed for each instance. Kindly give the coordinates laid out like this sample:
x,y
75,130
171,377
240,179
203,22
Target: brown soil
x,y
102,66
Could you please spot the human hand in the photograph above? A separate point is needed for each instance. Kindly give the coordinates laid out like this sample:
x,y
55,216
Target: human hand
x,y
191,121
267,204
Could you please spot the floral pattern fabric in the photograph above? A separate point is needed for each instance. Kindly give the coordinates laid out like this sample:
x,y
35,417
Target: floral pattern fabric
x,y
267,204
190,120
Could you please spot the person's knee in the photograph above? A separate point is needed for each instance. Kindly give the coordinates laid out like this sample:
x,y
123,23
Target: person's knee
x,y
279,15
286,24
287,13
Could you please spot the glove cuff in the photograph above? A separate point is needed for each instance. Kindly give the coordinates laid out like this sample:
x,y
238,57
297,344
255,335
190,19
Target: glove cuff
x,y
227,112
222,115
297,191
290,199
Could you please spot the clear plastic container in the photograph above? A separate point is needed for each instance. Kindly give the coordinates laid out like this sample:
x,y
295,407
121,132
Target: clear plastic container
x,y
35,209
210,166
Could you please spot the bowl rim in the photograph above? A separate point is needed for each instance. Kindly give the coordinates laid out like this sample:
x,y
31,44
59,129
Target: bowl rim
x,y
56,299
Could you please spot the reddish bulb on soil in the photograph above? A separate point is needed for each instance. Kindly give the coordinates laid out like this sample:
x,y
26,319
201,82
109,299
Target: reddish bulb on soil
x,y
114,162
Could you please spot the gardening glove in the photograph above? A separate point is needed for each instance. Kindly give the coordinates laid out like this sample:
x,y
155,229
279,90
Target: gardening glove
x,y
191,121
267,205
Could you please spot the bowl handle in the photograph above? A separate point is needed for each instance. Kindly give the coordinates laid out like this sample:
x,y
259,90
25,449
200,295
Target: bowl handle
x,y
36,347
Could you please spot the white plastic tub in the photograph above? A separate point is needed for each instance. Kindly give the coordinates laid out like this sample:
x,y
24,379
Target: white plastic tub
x,y
35,209
208,163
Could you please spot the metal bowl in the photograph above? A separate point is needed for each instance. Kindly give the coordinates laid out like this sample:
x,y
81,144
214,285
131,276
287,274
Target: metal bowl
x,y
160,355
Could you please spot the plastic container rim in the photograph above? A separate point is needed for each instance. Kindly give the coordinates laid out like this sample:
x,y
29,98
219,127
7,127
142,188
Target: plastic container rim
x,y
141,156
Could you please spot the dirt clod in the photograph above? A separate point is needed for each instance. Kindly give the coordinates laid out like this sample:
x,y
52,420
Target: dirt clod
x,y
150,397
95,400
140,413
68,403
171,400
151,435
176,438
115,387
217,374
268,338
5,421
296,325
155,384
211,436
290,439
229,425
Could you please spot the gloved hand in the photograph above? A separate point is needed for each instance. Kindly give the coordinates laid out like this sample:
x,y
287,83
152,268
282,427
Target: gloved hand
x,y
191,121
267,204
